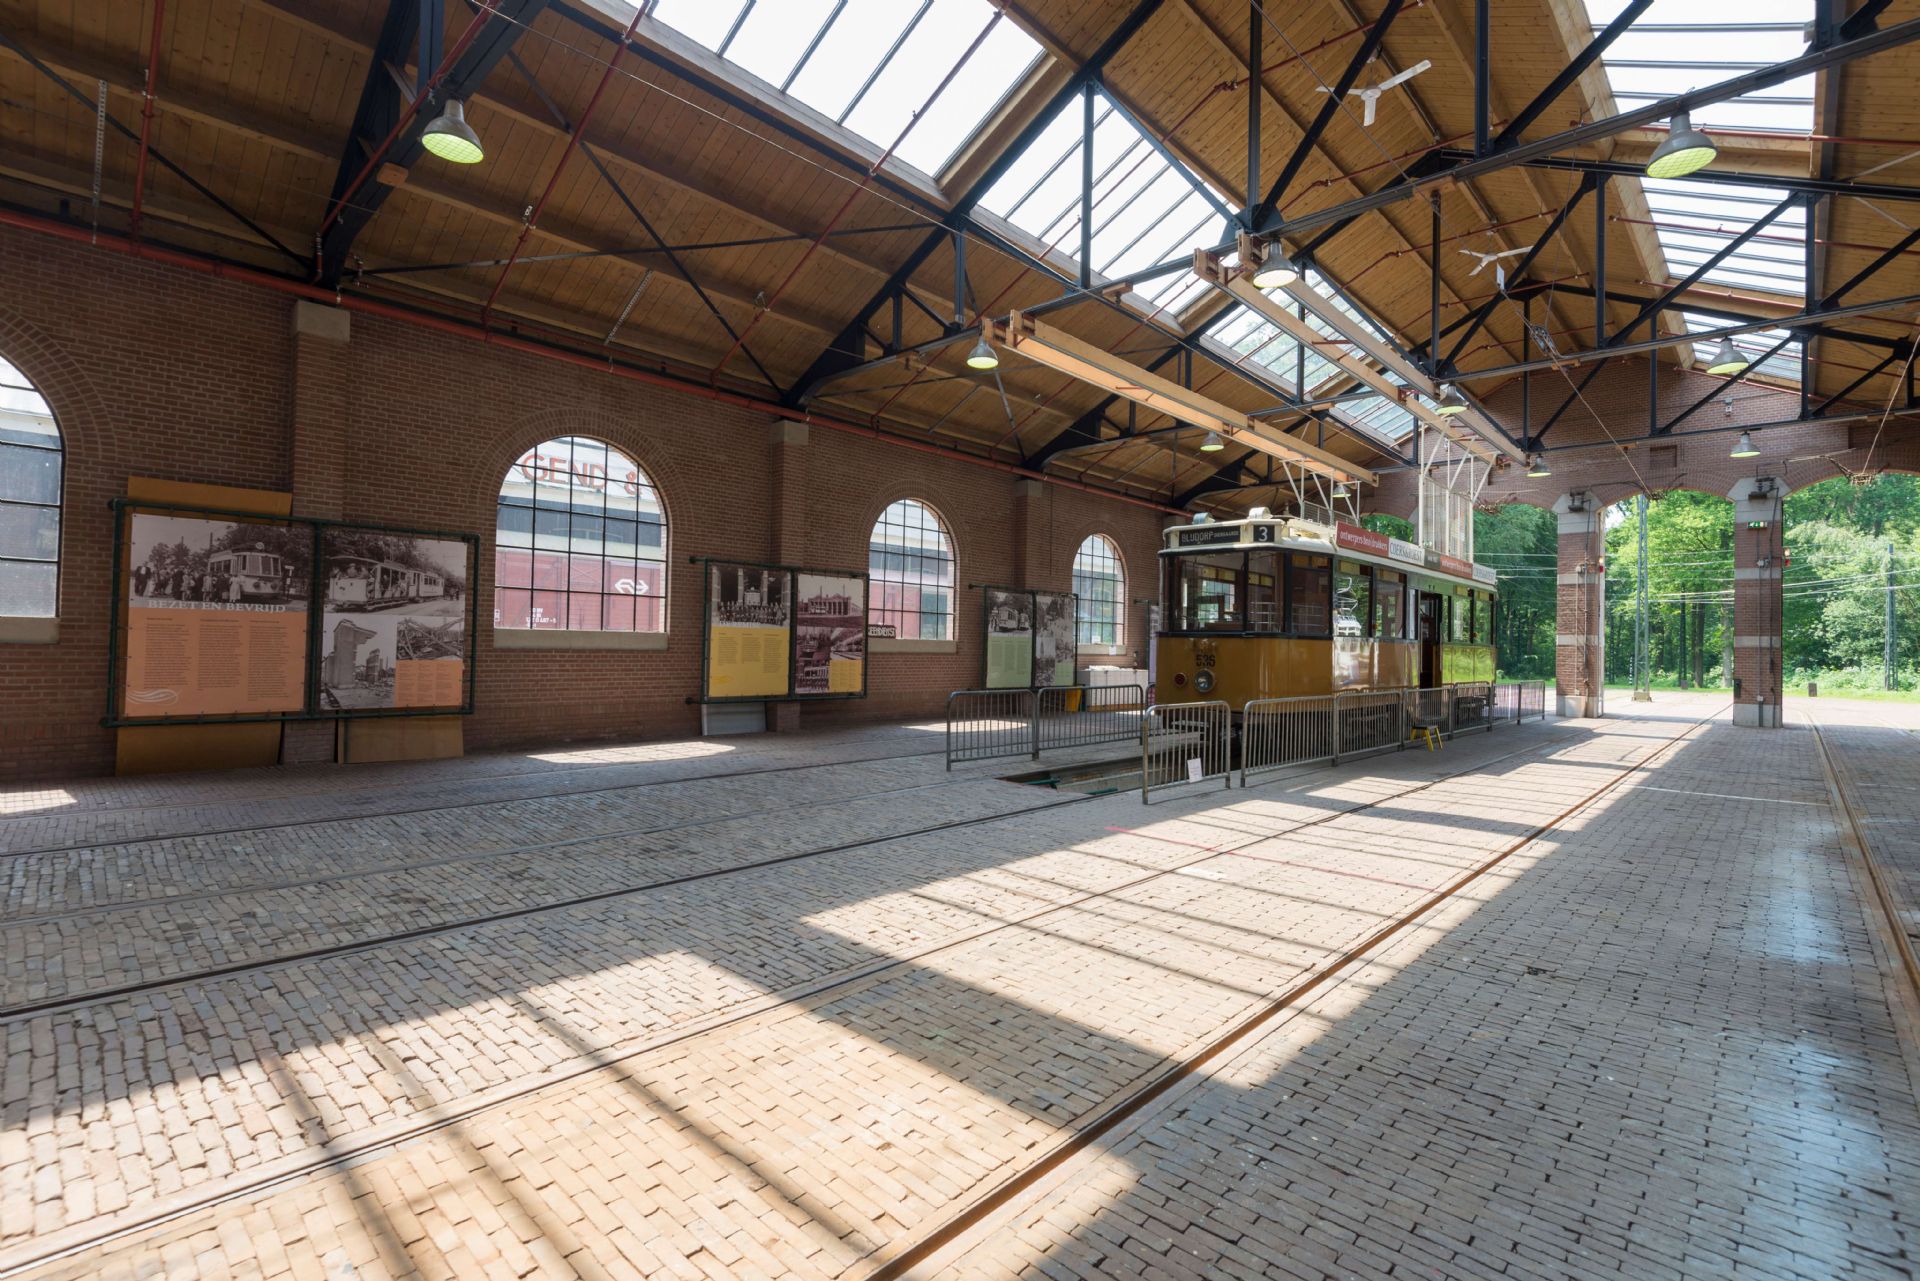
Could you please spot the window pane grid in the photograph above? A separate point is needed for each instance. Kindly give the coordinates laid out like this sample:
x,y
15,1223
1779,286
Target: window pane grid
x,y
580,543
1100,584
31,466
910,560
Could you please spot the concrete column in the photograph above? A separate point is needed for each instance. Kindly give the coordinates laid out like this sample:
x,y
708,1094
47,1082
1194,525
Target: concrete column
x,y
789,459
322,373
1029,534
1759,557
1579,654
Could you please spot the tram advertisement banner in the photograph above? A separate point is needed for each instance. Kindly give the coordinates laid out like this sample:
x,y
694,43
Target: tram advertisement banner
x,y
1009,639
830,640
1053,638
393,623
216,617
749,631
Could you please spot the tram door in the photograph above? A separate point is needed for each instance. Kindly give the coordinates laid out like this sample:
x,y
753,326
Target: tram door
x,y
1432,618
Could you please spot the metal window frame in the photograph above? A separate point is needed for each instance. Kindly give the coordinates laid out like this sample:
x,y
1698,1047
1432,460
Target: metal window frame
x,y
1109,551
666,536
947,556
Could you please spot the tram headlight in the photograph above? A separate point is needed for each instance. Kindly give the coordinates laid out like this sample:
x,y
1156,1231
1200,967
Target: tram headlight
x,y
1203,681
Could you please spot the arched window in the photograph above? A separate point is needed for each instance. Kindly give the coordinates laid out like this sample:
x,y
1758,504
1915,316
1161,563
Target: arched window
x,y
29,500
911,560
1100,582
580,543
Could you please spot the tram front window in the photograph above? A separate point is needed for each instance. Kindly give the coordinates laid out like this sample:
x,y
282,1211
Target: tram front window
x,y
1209,593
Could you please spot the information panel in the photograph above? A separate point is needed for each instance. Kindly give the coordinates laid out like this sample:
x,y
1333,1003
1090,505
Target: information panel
x,y
1054,651
1009,638
216,616
393,623
749,631
1031,638
830,640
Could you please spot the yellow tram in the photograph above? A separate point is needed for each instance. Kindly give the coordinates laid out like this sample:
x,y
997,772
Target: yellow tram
x,y
1280,607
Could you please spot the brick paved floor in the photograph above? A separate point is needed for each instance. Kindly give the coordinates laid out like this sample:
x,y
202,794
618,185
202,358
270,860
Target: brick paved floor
x,y
1876,751
1653,1044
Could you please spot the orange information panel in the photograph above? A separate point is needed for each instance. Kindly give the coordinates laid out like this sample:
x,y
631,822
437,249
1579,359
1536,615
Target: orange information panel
x,y
216,618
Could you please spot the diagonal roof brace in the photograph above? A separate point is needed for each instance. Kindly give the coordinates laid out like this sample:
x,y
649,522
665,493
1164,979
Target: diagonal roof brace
x,y
1387,372
1065,354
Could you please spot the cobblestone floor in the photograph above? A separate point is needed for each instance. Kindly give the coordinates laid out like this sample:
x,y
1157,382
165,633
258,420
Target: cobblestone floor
x,y
789,1022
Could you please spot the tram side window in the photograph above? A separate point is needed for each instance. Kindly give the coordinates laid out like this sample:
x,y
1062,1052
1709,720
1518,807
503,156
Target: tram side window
x,y
1209,593
1352,599
1461,630
1390,598
1482,619
1263,591
1309,594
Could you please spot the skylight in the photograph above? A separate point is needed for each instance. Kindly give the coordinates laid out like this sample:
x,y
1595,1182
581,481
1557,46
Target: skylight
x,y
1307,373
1785,366
1695,220
1145,211
1669,50
870,64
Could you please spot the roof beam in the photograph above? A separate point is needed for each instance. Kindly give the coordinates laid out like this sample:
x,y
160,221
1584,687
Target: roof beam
x,y
1576,66
1598,130
355,201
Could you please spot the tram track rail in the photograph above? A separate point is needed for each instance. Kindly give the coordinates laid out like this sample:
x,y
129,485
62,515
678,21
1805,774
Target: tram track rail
x,y
341,1153
1878,884
1111,1117
106,907
203,833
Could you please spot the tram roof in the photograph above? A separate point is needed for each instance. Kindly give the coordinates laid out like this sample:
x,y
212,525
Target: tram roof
x,y
1292,533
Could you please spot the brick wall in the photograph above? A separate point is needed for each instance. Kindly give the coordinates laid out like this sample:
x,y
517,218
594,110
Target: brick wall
x,y
158,372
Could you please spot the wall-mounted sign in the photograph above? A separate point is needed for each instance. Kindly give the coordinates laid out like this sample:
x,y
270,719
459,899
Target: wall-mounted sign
x,y
227,616
775,632
393,627
1009,638
216,616
882,631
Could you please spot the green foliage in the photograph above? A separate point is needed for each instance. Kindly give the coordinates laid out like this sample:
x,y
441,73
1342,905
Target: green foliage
x,y
1521,542
1391,526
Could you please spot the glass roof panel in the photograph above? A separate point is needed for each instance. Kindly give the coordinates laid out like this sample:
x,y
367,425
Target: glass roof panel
x,y
871,64
1678,45
1145,211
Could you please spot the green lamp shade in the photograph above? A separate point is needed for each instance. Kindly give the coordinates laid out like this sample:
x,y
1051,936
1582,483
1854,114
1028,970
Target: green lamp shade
x,y
1685,150
451,138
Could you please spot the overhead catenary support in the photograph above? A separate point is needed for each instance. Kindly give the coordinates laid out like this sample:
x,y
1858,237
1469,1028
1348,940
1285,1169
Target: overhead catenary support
x,y
560,165
1336,101
633,209
1486,309
1065,354
149,93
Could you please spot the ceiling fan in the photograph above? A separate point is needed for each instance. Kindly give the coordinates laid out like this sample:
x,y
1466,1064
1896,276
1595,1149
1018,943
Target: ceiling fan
x,y
1370,96
1486,259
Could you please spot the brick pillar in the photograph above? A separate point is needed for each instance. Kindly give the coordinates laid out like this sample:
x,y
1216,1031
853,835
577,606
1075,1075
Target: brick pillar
x,y
788,448
322,372
1758,559
1029,534
320,431
1579,654
788,456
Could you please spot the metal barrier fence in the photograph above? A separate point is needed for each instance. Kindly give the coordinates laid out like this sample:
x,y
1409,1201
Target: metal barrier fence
x,y
1285,733
1079,715
1185,743
1533,700
986,723
1372,720
1472,706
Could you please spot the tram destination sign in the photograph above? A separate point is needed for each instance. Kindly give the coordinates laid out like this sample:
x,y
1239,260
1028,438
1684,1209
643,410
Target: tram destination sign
x,y
1214,535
